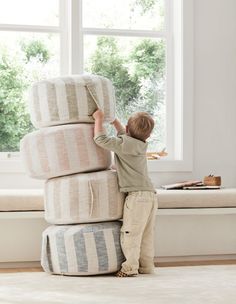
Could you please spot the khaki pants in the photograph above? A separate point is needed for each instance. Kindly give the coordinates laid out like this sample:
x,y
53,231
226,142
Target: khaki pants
x,y
137,232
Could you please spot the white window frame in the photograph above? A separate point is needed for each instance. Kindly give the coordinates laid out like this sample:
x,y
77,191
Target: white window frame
x,y
179,90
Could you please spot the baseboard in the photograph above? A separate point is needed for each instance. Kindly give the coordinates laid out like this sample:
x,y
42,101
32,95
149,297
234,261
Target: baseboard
x,y
20,265
195,260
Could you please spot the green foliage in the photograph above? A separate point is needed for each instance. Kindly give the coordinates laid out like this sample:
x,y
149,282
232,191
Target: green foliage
x,y
14,122
135,76
36,49
146,5
108,62
149,59
138,77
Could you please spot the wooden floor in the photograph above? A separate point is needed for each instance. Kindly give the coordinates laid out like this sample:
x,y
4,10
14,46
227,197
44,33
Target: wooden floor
x,y
28,269
162,264
195,263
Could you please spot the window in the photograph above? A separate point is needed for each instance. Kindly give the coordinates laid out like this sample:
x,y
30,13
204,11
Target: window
x,y
138,44
126,41
29,50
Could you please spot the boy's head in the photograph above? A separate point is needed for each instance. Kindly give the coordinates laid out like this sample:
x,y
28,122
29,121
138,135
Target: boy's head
x,y
140,125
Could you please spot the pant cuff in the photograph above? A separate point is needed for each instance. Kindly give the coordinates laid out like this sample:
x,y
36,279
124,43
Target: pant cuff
x,y
146,270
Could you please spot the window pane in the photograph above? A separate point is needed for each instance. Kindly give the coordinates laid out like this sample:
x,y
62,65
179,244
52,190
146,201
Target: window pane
x,y
136,66
24,58
31,12
124,14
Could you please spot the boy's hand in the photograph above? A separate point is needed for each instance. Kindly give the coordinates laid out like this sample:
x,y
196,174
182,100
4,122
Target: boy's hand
x,y
98,115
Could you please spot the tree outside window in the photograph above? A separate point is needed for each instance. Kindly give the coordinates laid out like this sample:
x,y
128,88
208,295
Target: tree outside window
x,y
135,65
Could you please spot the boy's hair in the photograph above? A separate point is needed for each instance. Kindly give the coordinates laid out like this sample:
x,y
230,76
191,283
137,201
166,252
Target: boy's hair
x,y
140,125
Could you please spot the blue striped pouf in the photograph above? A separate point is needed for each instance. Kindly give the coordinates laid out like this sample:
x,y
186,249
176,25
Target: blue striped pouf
x,y
85,249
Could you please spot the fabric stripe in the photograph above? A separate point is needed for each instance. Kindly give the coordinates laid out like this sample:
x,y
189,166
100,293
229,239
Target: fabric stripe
x,y
74,198
61,99
81,96
103,197
116,239
36,165
111,249
57,214
82,149
64,196
101,251
71,98
52,101
61,250
43,101
49,201
81,254
84,198
91,252
94,211
114,201
34,106
100,93
52,152
62,154
71,148
52,233
91,104
70,249
43,153
92,148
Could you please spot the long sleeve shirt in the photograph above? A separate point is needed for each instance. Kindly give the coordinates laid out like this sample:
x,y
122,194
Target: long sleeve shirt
x,y
130,159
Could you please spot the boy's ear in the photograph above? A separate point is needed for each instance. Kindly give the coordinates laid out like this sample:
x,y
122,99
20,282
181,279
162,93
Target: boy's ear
x,y
126,129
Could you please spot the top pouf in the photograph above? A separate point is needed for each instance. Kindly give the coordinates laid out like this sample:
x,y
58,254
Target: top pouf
x,y
71,99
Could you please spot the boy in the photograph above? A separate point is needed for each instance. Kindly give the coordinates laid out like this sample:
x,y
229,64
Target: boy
x,y
137,231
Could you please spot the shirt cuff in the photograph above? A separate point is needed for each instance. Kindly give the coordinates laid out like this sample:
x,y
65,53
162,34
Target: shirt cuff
x,y
99,134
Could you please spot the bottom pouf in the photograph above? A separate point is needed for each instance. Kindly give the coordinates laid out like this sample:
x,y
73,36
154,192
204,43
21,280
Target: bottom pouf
x,y
85,249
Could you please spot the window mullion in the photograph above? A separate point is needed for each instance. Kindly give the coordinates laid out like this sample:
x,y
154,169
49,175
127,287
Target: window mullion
x,y
170,138
76,37
29,28
122,33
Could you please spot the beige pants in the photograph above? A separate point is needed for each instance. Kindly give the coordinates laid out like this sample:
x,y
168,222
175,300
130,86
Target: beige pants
x,y
137,232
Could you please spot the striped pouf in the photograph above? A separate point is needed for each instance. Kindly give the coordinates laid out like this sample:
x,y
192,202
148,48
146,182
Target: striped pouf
x,y
87,249
83,198
71,99
62,150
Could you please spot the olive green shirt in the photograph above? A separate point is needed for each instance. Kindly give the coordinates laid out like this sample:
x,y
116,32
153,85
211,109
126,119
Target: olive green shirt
x,y
130,159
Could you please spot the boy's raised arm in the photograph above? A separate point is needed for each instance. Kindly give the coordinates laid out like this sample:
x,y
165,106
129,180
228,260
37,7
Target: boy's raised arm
x,y
118,126
101,138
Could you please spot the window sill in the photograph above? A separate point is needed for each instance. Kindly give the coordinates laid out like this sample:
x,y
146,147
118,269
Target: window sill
x,y
11,166
16,166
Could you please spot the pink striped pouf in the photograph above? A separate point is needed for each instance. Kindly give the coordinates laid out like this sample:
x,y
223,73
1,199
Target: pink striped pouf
x,y
62,150
83,198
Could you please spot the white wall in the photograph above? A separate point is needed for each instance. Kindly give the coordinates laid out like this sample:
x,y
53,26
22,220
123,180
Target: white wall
x,y
215,93
214,98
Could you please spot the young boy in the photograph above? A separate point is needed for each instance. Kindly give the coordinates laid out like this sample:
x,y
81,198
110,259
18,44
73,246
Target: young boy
x,y
137,231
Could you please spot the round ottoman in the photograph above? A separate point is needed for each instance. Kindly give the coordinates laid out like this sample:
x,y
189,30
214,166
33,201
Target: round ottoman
x,y
62,150
85,249
71,99
83,198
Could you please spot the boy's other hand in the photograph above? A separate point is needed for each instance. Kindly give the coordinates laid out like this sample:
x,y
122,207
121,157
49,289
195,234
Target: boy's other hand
x,y
98,114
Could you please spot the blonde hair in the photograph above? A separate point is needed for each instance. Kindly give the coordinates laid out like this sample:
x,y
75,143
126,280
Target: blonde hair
x,y
140,125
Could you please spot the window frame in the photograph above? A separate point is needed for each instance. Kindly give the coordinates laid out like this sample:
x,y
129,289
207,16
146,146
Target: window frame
x,y
179,90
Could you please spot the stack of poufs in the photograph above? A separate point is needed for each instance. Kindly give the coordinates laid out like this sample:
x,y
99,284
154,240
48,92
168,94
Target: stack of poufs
x,y
82,199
